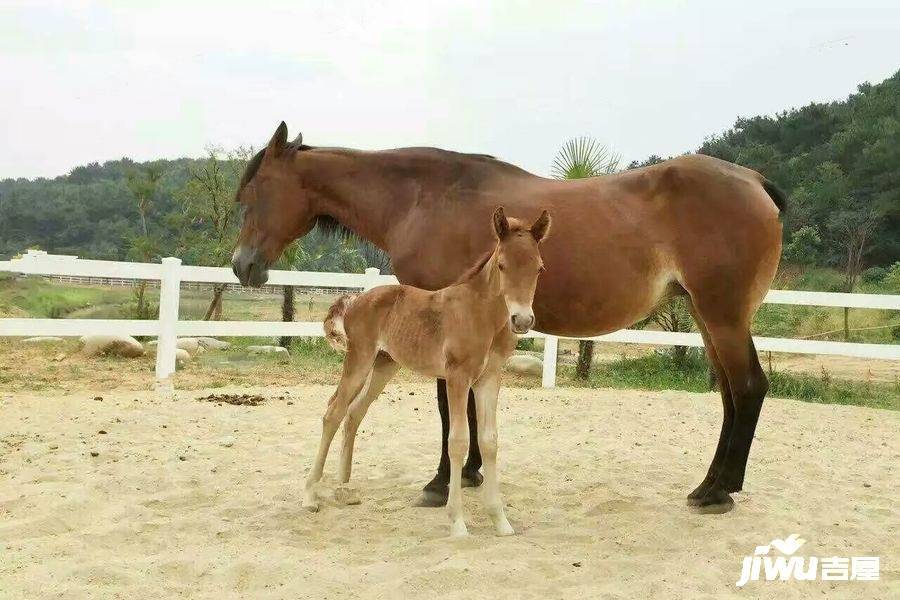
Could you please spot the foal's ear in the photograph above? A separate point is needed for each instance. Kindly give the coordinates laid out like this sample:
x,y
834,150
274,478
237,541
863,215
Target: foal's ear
x,y
501,225
278,141
541,227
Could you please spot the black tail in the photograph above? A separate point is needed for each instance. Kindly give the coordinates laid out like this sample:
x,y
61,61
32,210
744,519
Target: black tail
x,y
778,196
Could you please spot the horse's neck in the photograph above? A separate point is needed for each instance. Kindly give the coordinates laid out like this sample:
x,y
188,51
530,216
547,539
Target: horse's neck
x,y
484,293
370,192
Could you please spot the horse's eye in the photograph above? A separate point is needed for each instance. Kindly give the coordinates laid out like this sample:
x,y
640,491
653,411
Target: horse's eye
x,y
541,269
500,266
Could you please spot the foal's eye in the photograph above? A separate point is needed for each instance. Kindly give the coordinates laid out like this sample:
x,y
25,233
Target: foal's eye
x,y
500,266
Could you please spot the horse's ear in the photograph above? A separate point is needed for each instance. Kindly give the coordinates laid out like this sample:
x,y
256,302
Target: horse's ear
x,y
501,225
541,227
278,141
298,141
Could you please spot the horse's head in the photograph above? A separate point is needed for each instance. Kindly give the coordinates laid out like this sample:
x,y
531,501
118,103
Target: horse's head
x,y
275,208
518,264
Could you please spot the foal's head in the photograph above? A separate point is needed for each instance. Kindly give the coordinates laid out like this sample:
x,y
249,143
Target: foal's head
x,y
518,264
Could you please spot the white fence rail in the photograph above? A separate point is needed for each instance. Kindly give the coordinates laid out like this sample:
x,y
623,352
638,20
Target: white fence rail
x,y
168,327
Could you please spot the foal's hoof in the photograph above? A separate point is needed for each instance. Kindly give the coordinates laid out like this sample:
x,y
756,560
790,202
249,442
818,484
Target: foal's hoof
x,y
471,478
433,498
715,502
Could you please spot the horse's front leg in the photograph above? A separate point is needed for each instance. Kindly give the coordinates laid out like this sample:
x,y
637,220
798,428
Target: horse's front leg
x,y
457,446
435,491
487,388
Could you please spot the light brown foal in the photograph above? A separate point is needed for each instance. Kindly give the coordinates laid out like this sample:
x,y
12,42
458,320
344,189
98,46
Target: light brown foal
x,y
462,333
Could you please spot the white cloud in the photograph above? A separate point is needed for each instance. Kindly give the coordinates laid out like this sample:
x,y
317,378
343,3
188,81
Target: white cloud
x,y
87,81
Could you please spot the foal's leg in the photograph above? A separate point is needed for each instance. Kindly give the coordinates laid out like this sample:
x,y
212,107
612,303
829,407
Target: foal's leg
x,y
381,374
457,445
357,366
486,390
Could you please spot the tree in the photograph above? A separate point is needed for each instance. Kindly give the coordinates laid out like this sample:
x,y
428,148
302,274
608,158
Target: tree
x,y
579,158
143,185
804,247
209,213
853,224
287,261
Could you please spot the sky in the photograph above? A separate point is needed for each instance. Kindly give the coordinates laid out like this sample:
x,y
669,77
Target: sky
x,y
84,81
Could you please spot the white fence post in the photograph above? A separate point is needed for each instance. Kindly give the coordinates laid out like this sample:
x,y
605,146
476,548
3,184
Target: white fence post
x,y
169,292
551,346
371,278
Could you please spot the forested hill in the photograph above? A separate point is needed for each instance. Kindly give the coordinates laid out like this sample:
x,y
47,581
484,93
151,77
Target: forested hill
x,y
839,162
91,212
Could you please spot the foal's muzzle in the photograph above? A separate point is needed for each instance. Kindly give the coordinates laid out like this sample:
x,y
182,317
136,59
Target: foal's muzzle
x,y
521,323
249,266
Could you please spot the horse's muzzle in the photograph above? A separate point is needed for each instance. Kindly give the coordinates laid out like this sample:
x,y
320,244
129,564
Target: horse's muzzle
x,y
521,323
249,267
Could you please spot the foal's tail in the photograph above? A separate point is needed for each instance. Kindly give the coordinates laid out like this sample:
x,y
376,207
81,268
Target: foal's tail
x,y
334,322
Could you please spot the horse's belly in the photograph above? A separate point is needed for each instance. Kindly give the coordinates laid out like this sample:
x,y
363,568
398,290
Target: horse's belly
x,y
595,307
416,353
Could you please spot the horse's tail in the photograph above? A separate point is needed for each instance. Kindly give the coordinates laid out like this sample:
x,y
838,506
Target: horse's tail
x,y
776,194
334,322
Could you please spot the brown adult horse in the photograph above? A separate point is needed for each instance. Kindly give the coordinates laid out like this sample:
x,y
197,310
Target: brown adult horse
x,y
694,225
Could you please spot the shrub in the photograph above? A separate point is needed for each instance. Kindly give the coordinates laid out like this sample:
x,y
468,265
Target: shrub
x,y
804,247
891,280
874,274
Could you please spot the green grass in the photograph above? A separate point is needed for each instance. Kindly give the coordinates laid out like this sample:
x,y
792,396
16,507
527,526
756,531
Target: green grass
x,y
38,298
664,372
306,354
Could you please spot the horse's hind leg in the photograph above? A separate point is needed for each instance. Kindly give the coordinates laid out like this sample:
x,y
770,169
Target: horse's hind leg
x,y
385,368
486,390
727,411
357,365
748,386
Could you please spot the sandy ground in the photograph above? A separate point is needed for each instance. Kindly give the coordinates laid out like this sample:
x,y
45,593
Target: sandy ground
x,y
192,499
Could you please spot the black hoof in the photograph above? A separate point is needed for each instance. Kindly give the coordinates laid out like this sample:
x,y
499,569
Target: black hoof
x,y
433,498
715,502
471,478
700,491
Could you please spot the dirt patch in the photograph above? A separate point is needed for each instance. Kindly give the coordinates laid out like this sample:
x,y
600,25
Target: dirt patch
x,y
234,399
180,499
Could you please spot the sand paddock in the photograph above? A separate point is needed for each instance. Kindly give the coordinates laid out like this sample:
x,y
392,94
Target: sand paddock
x,y
192,499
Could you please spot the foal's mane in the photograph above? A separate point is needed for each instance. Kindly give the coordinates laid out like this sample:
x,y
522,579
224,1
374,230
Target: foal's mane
x,y
471,272
475,269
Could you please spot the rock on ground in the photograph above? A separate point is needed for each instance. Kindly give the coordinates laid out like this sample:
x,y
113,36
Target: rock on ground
x,y
280,352
192,345
266,350
213,344
525,364
116,345
182,356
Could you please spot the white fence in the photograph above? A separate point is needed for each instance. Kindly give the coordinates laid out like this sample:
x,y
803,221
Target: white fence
x,y
168,327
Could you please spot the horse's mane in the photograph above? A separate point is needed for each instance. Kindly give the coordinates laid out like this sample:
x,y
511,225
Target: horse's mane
x,y
426,152
475,269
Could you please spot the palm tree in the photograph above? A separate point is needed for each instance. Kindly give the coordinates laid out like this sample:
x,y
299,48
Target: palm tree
x,y
579,158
